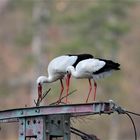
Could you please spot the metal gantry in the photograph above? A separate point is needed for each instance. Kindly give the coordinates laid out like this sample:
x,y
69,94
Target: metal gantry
x,y
48,122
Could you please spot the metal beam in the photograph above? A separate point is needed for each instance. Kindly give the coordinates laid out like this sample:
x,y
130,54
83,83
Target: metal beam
x,y
72,109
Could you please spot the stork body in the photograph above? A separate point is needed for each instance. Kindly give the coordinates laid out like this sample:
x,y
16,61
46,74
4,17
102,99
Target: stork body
x,y
57,70
93,69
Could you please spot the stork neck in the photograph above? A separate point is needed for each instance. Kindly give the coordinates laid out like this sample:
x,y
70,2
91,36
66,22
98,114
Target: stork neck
x,y
73,71
48,79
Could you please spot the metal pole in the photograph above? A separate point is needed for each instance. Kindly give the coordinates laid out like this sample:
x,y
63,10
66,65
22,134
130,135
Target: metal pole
x,y
58,126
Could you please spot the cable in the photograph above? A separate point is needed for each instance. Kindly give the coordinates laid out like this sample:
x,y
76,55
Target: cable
x,y
80,135
83,135
137,114
133,124
119,110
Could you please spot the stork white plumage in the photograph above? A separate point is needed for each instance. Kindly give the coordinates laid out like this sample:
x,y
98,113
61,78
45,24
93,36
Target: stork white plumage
x,y
93,69
57,71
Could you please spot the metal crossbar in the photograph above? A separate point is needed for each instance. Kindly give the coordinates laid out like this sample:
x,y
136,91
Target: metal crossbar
x,y
73,109
48,122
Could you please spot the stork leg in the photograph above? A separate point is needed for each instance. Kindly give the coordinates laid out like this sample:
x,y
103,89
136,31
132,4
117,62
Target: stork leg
x,y
95,87
90,88
67,86
62,89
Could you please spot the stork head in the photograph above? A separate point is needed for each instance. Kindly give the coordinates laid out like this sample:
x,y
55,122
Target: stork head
x,y
69,69
40,80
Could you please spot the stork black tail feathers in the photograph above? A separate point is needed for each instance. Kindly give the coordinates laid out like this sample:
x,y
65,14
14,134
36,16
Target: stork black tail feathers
x,y
117,67
109,65
112,65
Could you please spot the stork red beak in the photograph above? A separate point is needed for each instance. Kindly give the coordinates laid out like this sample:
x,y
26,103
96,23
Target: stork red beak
x,y
67,84
39,91
68,77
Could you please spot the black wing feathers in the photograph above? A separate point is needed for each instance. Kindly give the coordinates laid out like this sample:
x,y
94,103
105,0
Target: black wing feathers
x,y
110,65
80,57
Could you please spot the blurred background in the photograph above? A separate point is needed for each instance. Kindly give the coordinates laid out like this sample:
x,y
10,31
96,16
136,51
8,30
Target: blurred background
x,y
33,32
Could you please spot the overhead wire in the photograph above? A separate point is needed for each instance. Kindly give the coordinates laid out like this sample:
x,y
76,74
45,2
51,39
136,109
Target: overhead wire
x,y
137,114
135,131
120,110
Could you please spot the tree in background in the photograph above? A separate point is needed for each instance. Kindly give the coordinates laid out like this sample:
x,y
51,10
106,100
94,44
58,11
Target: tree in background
x,y
91,25
73,26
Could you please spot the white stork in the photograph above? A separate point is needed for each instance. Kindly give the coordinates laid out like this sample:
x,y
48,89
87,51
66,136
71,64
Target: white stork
x,y
57,70
94,68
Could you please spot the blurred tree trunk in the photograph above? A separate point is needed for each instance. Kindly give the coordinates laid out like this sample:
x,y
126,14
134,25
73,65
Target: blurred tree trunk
x,y
39,11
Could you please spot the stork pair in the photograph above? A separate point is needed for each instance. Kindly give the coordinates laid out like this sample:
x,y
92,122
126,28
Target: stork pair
x,y
79,66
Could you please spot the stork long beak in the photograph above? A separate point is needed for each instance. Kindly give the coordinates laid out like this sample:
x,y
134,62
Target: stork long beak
x,y
67,84
68,77
39,91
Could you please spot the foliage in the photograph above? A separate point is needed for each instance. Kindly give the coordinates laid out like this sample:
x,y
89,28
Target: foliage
x,y
99,25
